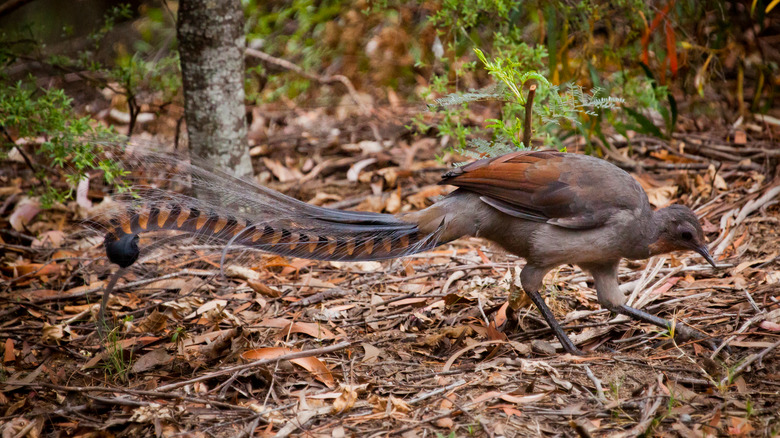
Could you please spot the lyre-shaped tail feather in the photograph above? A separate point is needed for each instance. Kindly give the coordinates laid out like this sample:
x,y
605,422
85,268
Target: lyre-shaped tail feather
x,y
336,241
241,213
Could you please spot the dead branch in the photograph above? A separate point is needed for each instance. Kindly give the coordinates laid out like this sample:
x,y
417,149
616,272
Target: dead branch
x,y
529,105
321,79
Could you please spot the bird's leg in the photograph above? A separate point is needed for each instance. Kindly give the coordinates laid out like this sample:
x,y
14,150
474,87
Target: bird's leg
x,y
681,331
567,344
606,280
515,298
101,325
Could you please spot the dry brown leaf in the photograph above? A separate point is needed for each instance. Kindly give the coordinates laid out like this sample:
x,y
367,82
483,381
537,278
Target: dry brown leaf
x,y
275,322
664,155
446,402
372,353
399,405
769,325
6,191
314,330
242,272
33,269
154,323
264,289
714,423
456,332
221,343
8,355
365,266
346,400
452,299
394,202
152,359
353,174
169,284
25,210
518,400
391,175
49,239
207,337
373,204
509,411
77,309
419,199
680,392
740,427
740,137
500,317
315,283
408,301
78,289
494,334
323,198
661,196
445,423
52,333
310,364
282,173
213,305
742,266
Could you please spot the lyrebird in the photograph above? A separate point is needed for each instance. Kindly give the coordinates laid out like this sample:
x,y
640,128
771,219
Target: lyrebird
x,y
548,207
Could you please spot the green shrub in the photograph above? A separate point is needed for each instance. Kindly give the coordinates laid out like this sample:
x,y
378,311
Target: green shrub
x,y
68,141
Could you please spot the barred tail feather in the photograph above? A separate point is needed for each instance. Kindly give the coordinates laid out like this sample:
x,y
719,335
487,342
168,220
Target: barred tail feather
x,y
323,234
242,213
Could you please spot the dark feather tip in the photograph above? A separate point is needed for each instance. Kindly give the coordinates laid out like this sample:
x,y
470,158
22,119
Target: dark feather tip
x,y
124,251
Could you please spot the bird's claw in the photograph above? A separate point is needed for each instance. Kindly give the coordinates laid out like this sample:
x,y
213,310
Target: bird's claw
x,y
512,323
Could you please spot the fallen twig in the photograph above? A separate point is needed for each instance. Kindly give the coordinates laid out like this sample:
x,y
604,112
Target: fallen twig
x,y
438,391
757,356
597,383
154,394
761,316
231,370
746,210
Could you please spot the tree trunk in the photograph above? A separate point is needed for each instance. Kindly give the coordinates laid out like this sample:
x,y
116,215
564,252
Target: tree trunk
x,y
211,49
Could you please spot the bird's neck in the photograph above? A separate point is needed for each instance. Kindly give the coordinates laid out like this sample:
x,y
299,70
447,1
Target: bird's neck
x,y
645,234
654,231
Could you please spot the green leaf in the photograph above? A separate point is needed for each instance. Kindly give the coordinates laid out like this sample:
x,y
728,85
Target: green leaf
x,y
645,125
649,74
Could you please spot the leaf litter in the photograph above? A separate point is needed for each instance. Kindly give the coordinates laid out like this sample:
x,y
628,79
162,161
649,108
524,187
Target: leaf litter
x,y
409,346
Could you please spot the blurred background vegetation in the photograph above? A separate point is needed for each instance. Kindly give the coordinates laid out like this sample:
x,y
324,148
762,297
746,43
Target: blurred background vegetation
x,y
606,70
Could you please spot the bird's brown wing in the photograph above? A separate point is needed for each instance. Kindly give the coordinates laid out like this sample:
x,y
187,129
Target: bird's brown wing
x,y
567,190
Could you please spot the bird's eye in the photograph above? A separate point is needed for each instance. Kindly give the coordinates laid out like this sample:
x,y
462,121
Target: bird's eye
x,y
686,235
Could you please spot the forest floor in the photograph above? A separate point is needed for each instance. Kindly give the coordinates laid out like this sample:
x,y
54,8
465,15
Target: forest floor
x,y
403,347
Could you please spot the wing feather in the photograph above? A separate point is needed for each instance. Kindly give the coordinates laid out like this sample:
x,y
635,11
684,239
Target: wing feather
x,y
566,190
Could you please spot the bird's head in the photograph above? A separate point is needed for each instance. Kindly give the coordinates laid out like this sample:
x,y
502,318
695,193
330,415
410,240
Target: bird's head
x,y
679,230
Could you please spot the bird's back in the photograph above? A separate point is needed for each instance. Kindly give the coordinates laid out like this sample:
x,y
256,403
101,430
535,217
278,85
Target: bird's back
x,y
567,190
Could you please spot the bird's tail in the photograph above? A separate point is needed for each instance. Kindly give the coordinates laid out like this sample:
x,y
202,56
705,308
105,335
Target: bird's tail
x,y
237,213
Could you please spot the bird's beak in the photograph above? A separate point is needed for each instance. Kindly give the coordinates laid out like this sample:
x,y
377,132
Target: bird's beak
x,y
704,252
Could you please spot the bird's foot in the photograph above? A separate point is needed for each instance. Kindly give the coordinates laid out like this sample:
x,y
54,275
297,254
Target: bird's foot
x,y
686,334
512,323
682,333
